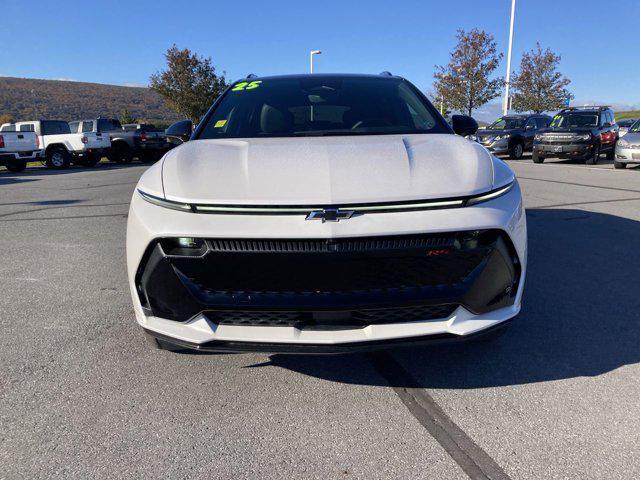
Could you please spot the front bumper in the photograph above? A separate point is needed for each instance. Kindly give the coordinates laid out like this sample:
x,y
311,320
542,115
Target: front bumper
x,y
627,155
574,151
147,223
497,147
221,346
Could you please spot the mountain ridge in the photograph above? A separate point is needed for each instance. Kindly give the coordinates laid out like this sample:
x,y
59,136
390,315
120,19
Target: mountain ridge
x,y
30,98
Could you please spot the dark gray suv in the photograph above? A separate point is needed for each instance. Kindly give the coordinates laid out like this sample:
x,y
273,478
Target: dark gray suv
x,y
512,134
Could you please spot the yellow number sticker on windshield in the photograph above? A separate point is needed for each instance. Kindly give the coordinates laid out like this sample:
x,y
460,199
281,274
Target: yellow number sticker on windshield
x,y
246,86
220,124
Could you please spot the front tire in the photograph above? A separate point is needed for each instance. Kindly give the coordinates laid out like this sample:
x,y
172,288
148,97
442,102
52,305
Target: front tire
x,y
619,165
16,166
593,159
516,151
537,158
58,158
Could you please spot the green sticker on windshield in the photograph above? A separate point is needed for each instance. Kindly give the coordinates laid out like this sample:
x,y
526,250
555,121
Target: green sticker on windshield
x,y
246,86
220,124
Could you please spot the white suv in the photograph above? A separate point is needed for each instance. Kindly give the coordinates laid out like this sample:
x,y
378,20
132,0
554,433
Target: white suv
x,y
325,213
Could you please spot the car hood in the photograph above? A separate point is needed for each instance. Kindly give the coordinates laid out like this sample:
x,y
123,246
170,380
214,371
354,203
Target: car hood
x,y
577,131
493,133
633,138
326,170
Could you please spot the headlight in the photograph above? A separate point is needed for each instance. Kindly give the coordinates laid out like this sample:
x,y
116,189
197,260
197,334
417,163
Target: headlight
x,y
485,197
538,137
502,137
584,138
473,138
622,143
161,202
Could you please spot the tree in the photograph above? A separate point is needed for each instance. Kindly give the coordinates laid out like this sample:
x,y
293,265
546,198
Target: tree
x,y
465,82
5,118
539,86
190,83
126,117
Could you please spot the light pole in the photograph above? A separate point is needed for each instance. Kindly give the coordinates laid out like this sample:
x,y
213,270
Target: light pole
x,y
311,54
505,104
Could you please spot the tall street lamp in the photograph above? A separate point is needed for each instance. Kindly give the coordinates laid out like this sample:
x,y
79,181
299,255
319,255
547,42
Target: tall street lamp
x,y
505,104
311,54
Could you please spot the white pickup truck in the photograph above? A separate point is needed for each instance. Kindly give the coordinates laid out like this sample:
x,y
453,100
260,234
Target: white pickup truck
x,y
18,148
61,147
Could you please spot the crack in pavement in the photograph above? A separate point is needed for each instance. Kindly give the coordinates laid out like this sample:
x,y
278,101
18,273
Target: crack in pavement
x,y
473,460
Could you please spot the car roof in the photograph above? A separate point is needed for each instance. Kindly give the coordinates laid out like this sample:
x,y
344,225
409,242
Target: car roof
x,y
383,75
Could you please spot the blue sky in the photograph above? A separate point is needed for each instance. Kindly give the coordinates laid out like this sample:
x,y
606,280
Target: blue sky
x,y
122,42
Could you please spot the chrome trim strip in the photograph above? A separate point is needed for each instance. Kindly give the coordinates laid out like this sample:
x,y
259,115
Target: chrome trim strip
x,y
358,209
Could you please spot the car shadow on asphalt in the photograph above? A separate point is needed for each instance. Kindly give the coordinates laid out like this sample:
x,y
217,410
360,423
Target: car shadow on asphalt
x,y
580,316
7,177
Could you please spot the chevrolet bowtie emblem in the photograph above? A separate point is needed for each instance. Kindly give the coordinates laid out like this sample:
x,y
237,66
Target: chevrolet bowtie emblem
x,y
330,215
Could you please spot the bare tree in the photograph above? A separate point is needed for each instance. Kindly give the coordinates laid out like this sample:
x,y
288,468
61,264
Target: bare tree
x,y
539,86
465,83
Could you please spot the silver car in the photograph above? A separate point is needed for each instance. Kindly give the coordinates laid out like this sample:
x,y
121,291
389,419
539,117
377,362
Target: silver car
x,y
628,148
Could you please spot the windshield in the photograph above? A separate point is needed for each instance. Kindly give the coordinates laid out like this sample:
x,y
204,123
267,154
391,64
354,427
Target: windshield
x,y
635,128
321,106
575,120
506,123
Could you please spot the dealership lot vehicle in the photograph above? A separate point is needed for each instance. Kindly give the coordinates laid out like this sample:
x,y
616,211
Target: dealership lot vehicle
x,y
325,213
61,147
512,134
18,148
628,148
142,142
582,133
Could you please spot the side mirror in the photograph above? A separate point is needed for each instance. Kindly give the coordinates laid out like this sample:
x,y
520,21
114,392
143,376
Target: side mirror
x,y
464,125
180,131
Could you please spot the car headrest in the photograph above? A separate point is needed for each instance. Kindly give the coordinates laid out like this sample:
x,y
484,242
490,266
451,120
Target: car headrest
x,y
273,120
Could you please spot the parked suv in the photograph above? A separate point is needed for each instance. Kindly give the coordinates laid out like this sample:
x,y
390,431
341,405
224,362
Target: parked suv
x,y
126,144
578,133
512,134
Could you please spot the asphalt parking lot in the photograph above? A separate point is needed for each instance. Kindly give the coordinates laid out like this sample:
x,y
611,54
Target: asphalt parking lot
x,y
82,396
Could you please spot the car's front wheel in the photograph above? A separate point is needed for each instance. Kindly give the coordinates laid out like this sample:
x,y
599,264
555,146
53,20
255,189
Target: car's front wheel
x,y
516,151
593,159
537,158
619,165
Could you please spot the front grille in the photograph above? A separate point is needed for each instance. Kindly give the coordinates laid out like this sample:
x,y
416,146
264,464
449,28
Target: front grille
x,y
316,282
348,245
561,139
335,319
